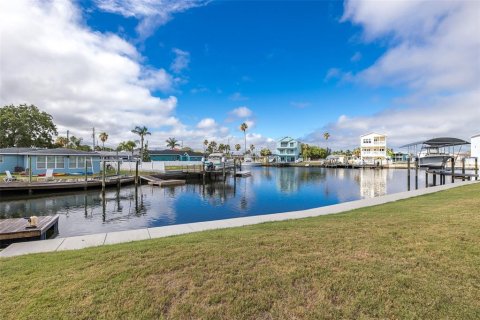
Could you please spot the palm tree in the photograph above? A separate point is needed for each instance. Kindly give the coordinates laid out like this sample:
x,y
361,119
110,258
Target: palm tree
x,y
227,148
221,147
62,142
326,135
238,147
244,128
142,132
127,146
103,137
172,143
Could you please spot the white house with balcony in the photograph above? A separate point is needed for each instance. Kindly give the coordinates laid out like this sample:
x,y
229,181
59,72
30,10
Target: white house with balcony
x,y
288,150
475,146
373,148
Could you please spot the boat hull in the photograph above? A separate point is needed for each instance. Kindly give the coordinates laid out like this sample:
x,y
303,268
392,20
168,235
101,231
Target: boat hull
x,y
433,161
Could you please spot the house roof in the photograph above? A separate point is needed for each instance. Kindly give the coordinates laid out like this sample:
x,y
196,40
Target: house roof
x,y
439,142
379,134
15,150
60,152
287,139
175,152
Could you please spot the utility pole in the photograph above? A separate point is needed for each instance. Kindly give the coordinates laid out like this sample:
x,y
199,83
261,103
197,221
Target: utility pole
x,y
68,138
93,138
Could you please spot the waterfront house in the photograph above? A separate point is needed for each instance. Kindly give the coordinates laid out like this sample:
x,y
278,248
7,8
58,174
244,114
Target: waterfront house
x,y
400,157
287,150
61,160
373,148
175,155
475,146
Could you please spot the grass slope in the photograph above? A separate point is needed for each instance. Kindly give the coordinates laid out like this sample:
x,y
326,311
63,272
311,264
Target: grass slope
x,y
416,258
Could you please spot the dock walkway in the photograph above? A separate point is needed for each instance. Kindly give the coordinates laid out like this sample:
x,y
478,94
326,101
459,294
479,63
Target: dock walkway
x,y
62,185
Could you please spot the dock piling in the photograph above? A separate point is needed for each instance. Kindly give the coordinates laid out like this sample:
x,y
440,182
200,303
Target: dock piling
x,y
86,176
118,173
408,173
416,173
103,175
476,168
30,169
136,172
453,169
426,179
463,169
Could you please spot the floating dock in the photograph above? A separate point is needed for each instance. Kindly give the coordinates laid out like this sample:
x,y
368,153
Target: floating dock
x,y
15,230
154,181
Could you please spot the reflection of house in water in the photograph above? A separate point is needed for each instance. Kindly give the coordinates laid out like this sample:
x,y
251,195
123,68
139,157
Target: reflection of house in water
x,y
373,183
287,180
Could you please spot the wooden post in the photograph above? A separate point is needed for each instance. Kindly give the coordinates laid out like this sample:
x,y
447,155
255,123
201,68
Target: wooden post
x,y
234,168
408,173
86,177
434,179
223,171
476,168
136,172
453,169
118,173
426,179
416,173
30,169
463,169
103,174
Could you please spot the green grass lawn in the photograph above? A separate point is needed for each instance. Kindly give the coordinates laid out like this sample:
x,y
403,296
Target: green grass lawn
x,y
416,258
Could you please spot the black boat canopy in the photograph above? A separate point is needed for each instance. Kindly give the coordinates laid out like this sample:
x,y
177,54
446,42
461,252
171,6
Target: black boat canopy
x,y
439,142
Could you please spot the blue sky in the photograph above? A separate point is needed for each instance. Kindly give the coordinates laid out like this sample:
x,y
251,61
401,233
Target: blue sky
x,y
196,69
274,55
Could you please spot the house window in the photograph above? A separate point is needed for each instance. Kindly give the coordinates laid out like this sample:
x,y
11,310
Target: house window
x,y
50,162
41,162
77,162
367,140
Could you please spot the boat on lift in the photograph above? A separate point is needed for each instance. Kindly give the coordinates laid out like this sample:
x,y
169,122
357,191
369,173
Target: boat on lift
x,y
249,162
216,161
435,153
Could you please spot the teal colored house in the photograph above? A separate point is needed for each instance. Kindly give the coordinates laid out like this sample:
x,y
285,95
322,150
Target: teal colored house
x,y
288,150
61,160
175,155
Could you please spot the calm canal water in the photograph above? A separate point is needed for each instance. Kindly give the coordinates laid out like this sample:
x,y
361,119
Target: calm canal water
x,y
268,190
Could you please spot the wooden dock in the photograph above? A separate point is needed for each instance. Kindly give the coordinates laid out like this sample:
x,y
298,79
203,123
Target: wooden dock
x,y
243,174
13,230
62,185
154,181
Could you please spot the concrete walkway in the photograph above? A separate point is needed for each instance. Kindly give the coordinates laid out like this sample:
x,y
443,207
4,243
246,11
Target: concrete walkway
x,y
93,240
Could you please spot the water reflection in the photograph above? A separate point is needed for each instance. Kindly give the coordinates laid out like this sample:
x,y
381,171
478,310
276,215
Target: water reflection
x,y
268,190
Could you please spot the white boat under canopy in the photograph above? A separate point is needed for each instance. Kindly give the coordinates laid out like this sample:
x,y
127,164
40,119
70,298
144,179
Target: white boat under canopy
x,y
435,153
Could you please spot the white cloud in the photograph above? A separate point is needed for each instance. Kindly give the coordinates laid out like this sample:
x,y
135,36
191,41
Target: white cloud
x,y
433,52
151,13
181,61
207,123
242,112
237,96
